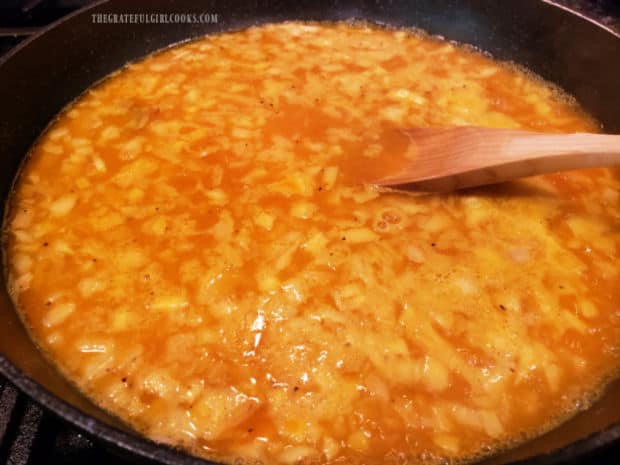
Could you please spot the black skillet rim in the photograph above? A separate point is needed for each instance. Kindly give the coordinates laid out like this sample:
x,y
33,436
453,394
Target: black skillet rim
x,y
160,453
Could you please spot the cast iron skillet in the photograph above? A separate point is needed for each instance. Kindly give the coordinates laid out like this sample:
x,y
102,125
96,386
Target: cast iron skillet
x,y
44,74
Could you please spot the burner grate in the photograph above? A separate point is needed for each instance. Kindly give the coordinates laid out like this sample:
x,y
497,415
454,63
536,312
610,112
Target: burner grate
x,y
31,436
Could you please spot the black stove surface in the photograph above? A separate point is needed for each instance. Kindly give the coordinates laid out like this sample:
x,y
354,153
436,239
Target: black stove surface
x,y
29,434
20,19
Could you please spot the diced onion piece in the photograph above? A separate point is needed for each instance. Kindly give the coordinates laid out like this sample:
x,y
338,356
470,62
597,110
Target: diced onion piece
x,y
58,313
123,319
130,259
358,441
109,133
135,194
90,286
58,133
82,183
22,219
158,382
22,262
264,220
330,447
491,423
156,226
588,309
132,148
365,195
359,235
54,149
267,282
295,454
448,442
217,196
219,410
294,184
22,283
316,243
303,210
466,285
63,205
169,303
393,113
100,165
435,376
330,174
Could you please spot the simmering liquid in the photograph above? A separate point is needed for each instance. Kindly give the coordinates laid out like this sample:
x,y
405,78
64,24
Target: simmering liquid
x,y
192,243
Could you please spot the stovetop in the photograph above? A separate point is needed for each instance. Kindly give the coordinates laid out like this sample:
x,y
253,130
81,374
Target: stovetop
x,y
29,434
20,19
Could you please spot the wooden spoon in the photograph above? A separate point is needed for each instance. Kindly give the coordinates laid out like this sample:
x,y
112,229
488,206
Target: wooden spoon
x,y
442,159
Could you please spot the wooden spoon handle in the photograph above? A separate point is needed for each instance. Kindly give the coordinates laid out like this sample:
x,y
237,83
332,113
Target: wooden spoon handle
x,y
564,151
476,156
